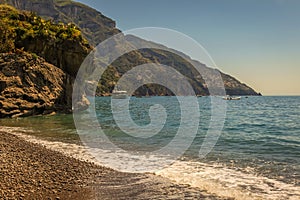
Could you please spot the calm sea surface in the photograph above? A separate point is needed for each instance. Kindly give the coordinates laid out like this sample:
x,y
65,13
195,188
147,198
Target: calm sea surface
x,y
260,135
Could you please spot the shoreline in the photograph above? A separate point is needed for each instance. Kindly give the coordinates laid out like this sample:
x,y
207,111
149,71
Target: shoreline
x,y
201,180
32,171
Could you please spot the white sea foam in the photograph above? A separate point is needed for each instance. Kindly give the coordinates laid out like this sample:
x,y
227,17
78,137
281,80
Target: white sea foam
x,y
227,182
112,159
214,178
73,150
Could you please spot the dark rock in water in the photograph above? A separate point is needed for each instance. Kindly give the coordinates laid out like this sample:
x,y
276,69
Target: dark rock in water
x,y
31,86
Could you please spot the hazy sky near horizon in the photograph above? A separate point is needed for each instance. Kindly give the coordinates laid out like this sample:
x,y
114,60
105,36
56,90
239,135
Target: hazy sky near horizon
x,y
256,41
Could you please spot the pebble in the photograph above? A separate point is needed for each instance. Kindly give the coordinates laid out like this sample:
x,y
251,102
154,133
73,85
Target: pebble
x,y
62,177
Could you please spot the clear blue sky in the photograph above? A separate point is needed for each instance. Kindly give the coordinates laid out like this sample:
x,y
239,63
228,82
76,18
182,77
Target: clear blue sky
x,y
256,41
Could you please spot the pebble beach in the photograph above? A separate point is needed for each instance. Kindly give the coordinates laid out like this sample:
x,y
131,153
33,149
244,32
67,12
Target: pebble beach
x,y
31,171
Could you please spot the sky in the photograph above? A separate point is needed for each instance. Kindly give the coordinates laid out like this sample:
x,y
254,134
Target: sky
x,y
256,41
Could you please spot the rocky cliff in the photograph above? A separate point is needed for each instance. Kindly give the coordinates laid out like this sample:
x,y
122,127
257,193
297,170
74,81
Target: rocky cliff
x,y
39,61
96,27
30,86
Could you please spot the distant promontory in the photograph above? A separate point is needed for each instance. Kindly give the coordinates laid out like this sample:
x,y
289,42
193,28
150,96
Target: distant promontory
x,y
44,43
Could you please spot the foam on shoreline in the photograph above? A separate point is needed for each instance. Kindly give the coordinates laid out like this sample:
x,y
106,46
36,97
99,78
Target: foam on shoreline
x,y
225,182
73,150
215,179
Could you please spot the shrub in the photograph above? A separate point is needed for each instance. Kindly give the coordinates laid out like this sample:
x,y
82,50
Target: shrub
x,y
7,35
17,26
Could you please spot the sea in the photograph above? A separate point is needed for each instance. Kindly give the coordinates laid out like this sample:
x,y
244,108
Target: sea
x,y
256,155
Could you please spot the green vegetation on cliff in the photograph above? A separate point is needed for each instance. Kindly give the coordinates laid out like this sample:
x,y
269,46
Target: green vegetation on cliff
x,y
96,27
17,27
39,61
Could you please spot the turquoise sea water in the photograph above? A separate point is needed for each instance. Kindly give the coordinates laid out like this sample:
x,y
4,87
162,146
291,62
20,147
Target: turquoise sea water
x,y
261,133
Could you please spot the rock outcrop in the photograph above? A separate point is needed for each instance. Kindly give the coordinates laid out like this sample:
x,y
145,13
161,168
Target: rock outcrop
x,y
38,69
31,86
65,54
40,59
96,28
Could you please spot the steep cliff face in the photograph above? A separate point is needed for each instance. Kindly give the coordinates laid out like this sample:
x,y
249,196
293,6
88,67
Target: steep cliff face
x,y
38,69
67,55
182,63
30,86
45,7
95,26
